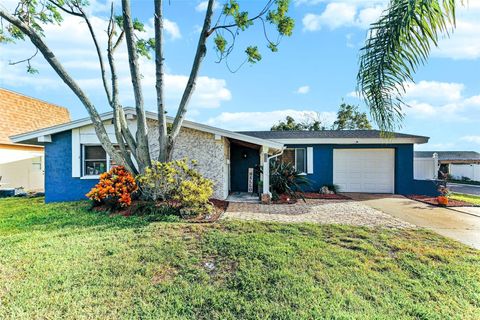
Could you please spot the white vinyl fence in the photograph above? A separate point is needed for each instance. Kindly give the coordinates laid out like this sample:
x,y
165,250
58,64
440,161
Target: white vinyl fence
x,y
471,171
425,168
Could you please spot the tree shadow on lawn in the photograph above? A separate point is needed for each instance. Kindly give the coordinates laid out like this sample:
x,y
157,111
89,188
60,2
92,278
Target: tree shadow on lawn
x,y
32,214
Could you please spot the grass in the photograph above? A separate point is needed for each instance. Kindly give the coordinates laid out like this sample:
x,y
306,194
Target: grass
x,y
466,197
63,261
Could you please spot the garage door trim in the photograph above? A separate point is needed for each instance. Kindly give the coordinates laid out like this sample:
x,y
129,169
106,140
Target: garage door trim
x,y
362,187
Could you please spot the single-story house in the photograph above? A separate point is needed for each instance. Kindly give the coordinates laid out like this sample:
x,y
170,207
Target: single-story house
x,y
458,164
22,165
357,161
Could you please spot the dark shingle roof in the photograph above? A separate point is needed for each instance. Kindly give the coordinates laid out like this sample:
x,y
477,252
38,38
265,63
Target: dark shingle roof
x,y
449,155
325,134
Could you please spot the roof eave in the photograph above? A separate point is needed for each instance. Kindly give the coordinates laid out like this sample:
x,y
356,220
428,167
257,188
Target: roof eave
x,y
34,135
411,140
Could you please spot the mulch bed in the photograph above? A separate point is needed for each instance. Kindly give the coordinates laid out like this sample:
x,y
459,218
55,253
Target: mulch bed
x,y
220,207
285,199
433,201
314,195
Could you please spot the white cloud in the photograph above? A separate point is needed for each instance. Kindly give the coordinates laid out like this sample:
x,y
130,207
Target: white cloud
x,y
441,101
202,6
434,91
474,139
303,90
77,54
257,120
172,29
464,42
343,14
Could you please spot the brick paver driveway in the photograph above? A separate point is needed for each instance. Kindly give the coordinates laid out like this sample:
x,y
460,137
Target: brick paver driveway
x,y
317,211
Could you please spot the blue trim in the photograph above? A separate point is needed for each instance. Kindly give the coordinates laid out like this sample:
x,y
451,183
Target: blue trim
x,y
59,183
61,186
404,182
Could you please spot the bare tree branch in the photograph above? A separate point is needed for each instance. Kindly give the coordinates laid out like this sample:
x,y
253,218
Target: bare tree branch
x,y
27,60
119,122
99,55
187,94
69,81
71,12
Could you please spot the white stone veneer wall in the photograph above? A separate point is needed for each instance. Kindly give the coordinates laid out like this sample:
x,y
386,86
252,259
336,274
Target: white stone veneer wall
x,y
211,154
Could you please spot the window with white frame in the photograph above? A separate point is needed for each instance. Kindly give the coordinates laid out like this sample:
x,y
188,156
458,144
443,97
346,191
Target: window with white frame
x,y
297,157
95,160
37,164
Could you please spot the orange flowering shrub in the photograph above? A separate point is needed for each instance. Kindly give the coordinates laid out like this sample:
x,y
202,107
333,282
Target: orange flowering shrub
x,y
114,188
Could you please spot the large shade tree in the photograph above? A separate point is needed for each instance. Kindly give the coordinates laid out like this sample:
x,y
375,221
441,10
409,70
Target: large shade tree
x,y
29,18
397,44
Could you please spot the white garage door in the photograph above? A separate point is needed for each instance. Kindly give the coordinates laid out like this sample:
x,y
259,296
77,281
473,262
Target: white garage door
x,y
364,170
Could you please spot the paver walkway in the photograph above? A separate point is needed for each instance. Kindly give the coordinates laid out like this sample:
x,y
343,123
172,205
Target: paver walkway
x,y
316,211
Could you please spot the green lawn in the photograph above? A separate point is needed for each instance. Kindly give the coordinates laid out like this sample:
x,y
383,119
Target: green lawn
x,y
61,261
466,197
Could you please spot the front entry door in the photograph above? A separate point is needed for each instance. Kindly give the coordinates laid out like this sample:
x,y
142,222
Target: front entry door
x,y
242,158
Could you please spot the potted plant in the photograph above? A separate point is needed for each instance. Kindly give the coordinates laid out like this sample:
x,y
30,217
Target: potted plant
x,y
443,197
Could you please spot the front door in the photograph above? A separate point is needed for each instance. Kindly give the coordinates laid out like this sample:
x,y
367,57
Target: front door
x,y
241,159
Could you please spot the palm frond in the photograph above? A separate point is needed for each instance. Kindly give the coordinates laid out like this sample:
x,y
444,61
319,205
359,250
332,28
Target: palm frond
x,y
397,44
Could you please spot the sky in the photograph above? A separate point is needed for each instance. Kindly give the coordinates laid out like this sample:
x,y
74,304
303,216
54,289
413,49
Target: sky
x,y
312,73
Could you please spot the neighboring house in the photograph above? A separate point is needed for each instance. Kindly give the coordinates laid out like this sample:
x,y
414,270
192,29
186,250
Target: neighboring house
x,y
22,165
458,164
358,161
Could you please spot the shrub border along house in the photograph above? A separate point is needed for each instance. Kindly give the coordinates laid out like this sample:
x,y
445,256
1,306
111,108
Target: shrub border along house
x,y
356,160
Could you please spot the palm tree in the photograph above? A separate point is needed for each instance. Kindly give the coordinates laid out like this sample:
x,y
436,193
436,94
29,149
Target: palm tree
x,y
397,44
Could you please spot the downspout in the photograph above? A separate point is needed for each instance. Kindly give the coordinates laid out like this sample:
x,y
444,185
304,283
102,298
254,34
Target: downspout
x,y
276,155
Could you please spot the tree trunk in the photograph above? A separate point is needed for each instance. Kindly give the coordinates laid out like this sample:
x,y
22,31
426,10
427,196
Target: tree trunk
x,y
187,94
159,85
143,152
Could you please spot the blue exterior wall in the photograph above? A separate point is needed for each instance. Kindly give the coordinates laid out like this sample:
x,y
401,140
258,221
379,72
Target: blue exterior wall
x,y
404,182
59,184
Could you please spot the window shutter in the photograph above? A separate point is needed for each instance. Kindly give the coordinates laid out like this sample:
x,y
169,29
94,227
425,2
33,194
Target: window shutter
x,y
76,165
310,160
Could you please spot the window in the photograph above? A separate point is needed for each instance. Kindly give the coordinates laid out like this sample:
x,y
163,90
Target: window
x,y
94,160
301,160
297,157
37,164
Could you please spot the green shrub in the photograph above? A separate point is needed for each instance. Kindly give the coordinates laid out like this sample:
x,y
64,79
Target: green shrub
x,y
285,179
158,182
177,181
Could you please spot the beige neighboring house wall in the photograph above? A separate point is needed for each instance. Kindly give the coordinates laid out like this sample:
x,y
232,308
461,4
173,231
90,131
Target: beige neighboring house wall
x,y
23,165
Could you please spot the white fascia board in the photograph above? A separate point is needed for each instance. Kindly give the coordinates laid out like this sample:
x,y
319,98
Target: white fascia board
x,y
58,128
151,115
354,141
222,132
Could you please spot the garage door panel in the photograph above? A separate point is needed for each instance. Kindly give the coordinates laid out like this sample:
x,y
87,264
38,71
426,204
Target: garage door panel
x,y
364,170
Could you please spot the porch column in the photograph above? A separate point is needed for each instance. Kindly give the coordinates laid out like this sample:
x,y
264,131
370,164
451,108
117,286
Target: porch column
x,y
436,166
266,195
